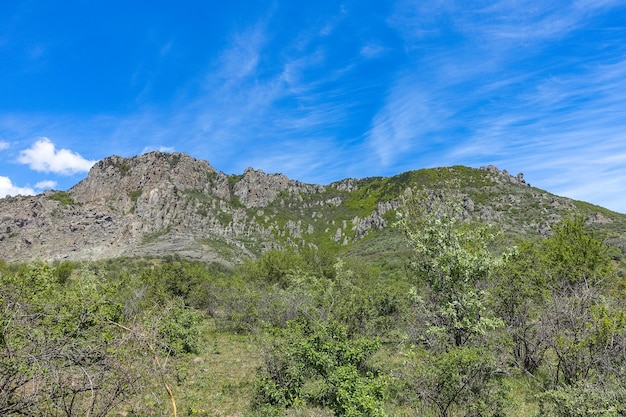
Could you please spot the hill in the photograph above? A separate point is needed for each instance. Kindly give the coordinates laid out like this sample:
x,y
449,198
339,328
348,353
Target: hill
x,y
161,204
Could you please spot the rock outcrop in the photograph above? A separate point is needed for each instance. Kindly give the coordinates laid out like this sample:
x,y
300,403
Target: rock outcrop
x,y
161,204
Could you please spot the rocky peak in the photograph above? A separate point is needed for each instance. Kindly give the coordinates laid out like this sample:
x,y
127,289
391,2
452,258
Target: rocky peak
x,y
504,176
258,189
115,177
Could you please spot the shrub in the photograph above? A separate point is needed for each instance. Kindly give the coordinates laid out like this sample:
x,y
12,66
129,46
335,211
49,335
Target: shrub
x,y
317,363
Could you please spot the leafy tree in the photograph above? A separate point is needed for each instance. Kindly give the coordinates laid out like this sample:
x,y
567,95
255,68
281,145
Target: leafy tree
x,y
61,354
559,301
575,256
461,368
452,263
274,267
582,399
584,325
71,347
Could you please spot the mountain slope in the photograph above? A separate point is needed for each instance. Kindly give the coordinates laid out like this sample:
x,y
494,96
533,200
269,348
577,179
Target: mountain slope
x,y
161,204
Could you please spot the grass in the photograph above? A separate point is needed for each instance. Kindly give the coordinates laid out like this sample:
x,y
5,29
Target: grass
x,y
522,397
153,237
220,380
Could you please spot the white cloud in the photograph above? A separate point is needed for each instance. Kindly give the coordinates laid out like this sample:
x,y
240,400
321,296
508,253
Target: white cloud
x,y
43,156
4,145
166,149
46,185
8,188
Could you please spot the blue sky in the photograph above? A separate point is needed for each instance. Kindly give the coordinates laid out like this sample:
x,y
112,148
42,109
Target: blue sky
x,y
319,91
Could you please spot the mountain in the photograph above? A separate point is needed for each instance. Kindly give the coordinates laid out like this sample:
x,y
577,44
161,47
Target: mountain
x,y
161,204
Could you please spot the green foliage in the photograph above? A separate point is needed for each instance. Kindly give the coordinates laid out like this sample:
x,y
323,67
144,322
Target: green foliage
x,y
463,381
124,168
63,271
555,297
274,267
234,178
134,195
178,327
317,363
365,303
518,297
574,255
583,399
74,342
61,350
451,261
62,197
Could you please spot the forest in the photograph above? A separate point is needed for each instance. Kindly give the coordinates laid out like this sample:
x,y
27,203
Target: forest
x,y
462,323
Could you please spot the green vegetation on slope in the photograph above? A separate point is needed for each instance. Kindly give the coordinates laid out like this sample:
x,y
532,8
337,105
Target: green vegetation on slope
x,y
436,324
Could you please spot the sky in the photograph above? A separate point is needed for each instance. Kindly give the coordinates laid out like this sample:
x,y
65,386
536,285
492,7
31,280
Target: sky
x,y
319,91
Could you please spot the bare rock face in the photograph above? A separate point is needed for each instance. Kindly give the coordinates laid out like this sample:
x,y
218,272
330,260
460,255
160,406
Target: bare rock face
x,y
257,189
116,210
153,204
41,227
376,220
115,178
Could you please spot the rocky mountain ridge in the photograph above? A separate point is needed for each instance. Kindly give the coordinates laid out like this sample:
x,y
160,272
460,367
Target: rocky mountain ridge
x,y
161,204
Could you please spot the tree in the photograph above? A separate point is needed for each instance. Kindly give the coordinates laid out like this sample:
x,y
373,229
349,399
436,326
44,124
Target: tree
x,y
463,381
559,300
61,354
460,369
70,347
583,323
452,263
519,295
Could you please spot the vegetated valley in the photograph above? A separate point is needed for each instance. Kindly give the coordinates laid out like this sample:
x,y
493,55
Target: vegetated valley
x,y
159,286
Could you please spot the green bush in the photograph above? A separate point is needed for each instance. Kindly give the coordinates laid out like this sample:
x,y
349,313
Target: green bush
x,y
463,381
584,399
178,326
316,363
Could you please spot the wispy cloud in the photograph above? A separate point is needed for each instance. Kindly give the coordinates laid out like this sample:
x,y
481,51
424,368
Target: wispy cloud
x,y
568,133
256,107
347,93
241,58
407,121
44,157
559,127
372,50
